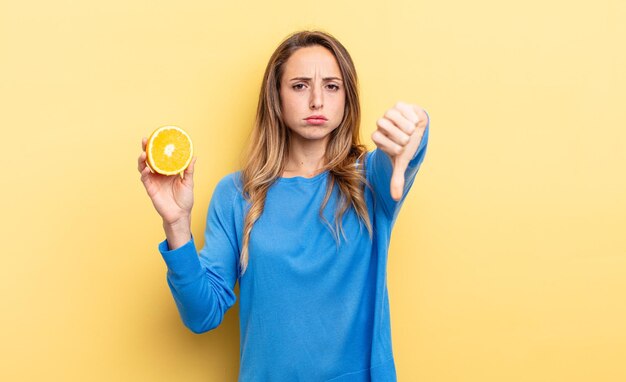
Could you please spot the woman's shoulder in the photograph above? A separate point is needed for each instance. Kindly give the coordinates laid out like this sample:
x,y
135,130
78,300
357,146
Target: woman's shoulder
x,y
367,156
228,189
230,184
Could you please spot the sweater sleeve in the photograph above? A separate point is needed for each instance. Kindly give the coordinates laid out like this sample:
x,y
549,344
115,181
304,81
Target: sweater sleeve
x,y
380,169
202,285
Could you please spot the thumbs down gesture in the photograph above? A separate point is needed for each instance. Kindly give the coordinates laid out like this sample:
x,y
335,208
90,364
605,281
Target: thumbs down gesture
x,y
399,133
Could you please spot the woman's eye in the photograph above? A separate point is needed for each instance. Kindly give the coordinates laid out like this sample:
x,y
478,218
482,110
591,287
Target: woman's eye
x,y
298,86
333,87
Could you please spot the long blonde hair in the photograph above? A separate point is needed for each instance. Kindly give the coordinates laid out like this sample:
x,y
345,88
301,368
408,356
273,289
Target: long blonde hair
x,y
269,142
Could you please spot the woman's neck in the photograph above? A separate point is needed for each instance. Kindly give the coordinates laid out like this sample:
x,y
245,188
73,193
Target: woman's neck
x,y
306,157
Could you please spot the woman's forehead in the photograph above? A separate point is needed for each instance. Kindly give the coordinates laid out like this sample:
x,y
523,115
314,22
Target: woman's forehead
x,y
311,62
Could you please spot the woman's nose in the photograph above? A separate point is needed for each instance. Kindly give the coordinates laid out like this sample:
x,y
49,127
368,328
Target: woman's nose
x,y
316,97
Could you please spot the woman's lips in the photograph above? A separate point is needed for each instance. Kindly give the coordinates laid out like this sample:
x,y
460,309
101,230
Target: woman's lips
x,y
316,119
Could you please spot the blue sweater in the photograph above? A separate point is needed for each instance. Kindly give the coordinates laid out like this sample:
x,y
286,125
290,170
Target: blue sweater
x,y
310,310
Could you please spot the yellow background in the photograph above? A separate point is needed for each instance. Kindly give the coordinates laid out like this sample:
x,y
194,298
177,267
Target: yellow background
x,y
508,261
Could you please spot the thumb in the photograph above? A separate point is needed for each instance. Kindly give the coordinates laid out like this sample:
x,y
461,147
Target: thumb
x,y
397,178
187,175
190,168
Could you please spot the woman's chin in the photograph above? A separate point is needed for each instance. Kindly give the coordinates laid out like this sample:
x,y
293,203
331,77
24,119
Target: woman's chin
x,y
313,132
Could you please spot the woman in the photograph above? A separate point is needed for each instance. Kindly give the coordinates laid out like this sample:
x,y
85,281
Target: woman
x,y
304,227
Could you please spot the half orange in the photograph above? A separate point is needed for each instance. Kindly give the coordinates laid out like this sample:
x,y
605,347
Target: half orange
x,y
169,150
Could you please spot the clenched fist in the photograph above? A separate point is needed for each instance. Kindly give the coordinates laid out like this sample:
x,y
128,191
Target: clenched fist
x,y
399,134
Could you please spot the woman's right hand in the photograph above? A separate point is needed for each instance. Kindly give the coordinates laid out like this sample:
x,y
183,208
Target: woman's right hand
x,y
172,196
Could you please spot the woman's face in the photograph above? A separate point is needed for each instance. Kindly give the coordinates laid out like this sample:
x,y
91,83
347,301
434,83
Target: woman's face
x,y
312,85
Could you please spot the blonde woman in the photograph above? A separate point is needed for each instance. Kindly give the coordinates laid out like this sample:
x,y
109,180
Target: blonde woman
x,y
304,227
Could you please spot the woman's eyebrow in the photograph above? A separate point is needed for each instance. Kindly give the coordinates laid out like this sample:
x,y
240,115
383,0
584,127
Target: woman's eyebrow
x,y
309,79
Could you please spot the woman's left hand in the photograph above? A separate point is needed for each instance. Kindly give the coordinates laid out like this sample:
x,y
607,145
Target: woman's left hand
x,y
399,134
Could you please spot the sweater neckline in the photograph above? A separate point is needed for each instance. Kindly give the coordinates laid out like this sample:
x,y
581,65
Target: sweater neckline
x,y
302,179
